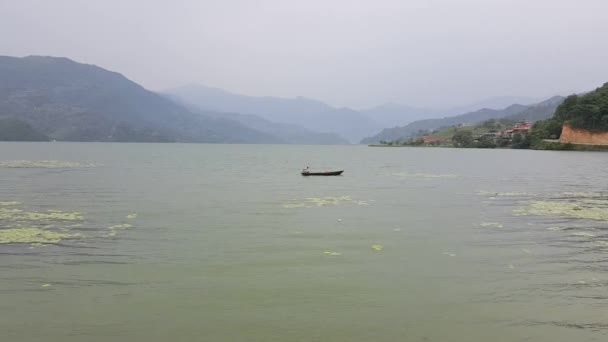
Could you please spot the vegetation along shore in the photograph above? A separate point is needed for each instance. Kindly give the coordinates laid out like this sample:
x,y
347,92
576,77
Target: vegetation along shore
x,y
579,123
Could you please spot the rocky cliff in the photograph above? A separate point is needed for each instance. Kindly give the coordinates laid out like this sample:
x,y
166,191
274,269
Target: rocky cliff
x,y
582,136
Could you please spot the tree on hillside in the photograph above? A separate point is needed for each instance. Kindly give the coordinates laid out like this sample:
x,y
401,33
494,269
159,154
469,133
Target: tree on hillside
x,y
486,142
463,139
521,141
589,111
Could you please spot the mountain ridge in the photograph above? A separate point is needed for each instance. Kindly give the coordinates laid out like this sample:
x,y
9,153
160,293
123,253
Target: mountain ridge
x,y
288,133
533,112
72,101
311,114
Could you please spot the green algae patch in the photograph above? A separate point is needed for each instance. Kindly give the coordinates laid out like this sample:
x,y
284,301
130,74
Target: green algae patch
x,y
14,214
33,236
584,195
295,205
491,225
502,194
45,164
42,228
45,285
323,202
332,253
582,209
116,228
8,203
121,226
377,248
132,216
583,234
423,175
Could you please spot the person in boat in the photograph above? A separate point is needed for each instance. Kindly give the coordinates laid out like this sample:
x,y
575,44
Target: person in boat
x,y
306,170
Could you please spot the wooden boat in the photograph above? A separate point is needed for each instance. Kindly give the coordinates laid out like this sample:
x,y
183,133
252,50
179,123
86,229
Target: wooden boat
x,y
324,173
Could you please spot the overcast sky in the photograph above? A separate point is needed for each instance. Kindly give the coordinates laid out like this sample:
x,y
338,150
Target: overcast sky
x,y
354,53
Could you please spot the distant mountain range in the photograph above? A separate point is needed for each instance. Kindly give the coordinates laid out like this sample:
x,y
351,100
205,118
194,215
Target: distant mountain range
x,y
317,116
69,101
516,112
287,133
496,102
394,114
310,114
59,99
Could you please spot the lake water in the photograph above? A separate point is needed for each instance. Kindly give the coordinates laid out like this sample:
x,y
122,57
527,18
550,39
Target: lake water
x,y
180,242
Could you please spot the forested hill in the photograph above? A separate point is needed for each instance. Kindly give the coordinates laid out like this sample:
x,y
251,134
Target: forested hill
x,y
588,112
17,130
70,101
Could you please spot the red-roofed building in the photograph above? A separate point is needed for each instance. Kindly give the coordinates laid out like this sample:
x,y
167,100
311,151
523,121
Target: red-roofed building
x,y
519,128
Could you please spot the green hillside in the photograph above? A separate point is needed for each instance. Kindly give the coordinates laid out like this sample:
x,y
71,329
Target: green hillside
x,y
588,111
70,101
489,126
515,112
17,130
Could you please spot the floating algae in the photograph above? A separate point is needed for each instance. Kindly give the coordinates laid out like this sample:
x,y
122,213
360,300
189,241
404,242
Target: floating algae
x,y
423,175
32,236
121,226
132,216
44,164
574,209
502,194
118,227
9,203
491,224
377,248
46,285
450,254
331,253
295,205
332,201
43,228
583,195
8,214
323,202
583,234
33,226
20,215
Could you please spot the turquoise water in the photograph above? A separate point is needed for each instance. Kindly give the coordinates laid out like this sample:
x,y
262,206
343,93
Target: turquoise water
x,y
230,243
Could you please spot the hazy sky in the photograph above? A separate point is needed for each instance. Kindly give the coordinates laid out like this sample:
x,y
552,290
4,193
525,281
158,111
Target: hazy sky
x,y
345,52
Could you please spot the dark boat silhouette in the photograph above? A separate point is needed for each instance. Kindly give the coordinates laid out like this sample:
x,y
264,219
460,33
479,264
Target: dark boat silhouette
x,y
324,173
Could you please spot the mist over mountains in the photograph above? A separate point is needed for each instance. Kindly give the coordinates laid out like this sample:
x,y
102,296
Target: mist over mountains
x,y
310,114
60,99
